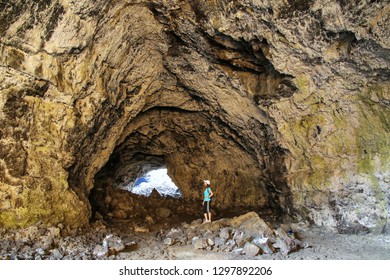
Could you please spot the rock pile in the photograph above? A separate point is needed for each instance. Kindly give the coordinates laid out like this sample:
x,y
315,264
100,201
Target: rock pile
x,y
39,243
245,235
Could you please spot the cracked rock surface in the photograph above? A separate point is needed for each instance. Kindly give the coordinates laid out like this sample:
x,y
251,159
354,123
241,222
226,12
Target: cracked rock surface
x,y
283,105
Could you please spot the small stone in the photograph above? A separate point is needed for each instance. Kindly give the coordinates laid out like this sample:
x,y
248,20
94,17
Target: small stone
x,y
113,243
163,212
200,243
225,233
56,255
185,225
260,240
141,229
264,244
210,241
194,239
282,246
281,233
55,232
230,244
219,241
241,238
238,251
149,220
99,225
237,234
40,251
168,241
125,255
100,251
119,214
250,249
176,235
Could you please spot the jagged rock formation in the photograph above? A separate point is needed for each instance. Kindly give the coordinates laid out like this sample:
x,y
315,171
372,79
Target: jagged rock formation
x,y
282,104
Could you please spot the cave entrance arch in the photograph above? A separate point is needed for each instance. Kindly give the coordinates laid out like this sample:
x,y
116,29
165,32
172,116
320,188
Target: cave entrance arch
x,y
192,148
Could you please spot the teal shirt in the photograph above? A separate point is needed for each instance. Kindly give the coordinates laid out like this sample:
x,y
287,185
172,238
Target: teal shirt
x,y
206,194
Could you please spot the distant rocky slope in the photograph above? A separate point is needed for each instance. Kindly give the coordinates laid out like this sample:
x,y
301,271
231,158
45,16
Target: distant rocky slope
x,y
281,104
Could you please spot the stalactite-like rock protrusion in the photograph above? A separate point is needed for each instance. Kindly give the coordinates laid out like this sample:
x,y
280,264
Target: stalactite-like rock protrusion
x,y
283,105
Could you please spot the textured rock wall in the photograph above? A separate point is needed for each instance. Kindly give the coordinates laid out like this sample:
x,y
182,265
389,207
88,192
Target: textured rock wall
x,y
283,104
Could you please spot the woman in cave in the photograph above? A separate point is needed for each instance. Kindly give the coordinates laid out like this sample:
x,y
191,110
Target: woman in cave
x,y
207,194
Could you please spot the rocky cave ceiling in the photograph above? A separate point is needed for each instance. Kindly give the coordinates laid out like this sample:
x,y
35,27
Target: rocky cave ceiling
x,y
282,104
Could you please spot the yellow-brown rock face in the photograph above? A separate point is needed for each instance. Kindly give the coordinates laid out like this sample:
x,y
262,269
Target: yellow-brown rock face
x,y
283,105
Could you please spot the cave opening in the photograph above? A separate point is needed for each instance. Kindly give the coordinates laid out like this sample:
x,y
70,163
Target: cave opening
x,y
137,189
155,180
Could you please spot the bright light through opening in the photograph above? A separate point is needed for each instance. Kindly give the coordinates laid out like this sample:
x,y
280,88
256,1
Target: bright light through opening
x,y
156,179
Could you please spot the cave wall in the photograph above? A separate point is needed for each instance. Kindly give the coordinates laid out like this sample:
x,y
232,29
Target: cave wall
x,y
283,104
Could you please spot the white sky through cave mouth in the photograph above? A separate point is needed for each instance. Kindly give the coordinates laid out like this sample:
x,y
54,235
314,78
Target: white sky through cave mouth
x,y
156,179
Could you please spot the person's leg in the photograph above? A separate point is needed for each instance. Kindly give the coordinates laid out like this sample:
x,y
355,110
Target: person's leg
x,y
209,210
205,211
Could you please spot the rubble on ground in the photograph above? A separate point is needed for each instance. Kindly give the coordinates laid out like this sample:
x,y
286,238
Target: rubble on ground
x,y
245,235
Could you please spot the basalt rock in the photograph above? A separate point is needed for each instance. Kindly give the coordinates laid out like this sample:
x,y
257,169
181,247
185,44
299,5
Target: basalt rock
x,y
283,105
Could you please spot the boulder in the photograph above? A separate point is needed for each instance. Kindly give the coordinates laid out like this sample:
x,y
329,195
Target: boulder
x,y
239,220
253,224
216,225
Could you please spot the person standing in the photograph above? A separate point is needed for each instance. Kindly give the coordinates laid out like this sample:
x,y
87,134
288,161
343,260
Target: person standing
x,y
207,194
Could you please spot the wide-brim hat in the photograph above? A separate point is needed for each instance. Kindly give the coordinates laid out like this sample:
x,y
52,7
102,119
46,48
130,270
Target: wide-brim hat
x,y
207,182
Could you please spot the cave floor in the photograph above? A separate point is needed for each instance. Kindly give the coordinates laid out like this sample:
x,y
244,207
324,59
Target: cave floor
x,y
321,246
147,242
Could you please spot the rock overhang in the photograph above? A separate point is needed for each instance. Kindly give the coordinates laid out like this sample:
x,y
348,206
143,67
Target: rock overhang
x,y
261,88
